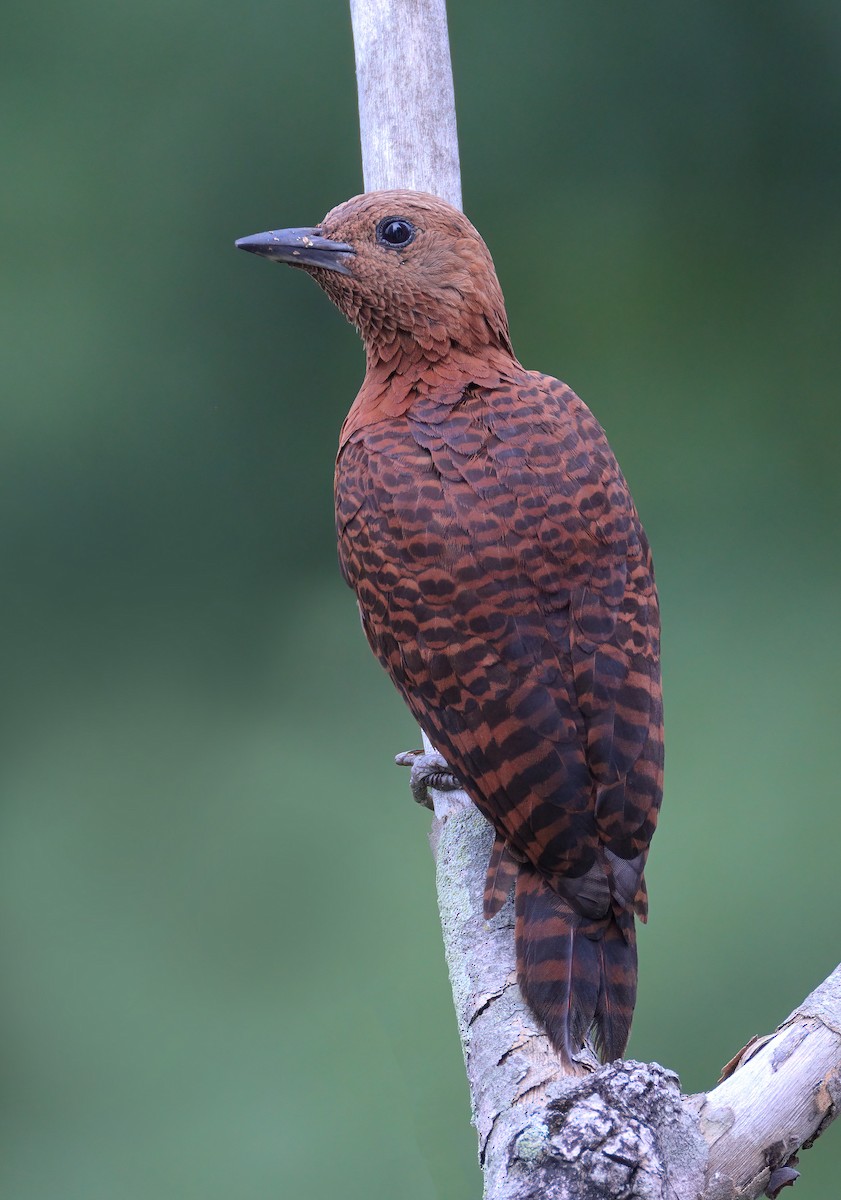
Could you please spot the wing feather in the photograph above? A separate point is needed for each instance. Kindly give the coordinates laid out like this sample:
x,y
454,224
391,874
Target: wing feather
x,y
507,588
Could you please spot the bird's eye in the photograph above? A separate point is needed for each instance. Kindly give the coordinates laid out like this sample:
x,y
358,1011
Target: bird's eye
x,y
394,231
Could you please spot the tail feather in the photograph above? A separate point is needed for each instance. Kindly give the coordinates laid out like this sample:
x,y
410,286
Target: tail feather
x,y
618,989
575,973
502,871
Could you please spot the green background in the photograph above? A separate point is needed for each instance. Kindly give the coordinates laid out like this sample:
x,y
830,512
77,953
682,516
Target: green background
x,y
222,974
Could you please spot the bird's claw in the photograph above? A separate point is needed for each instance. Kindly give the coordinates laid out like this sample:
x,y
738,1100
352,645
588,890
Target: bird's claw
x,y
429,771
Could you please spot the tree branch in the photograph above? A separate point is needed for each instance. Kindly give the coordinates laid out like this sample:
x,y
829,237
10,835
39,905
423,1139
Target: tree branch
x,y
620,1132
407,109
782,1093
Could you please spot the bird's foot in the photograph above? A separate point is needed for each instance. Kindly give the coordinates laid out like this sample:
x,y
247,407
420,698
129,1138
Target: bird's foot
x,y
429,771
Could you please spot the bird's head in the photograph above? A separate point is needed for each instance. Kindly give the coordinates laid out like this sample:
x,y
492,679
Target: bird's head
x,y
406,268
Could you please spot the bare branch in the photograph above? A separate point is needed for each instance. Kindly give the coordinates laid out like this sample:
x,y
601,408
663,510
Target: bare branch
x,y
407,110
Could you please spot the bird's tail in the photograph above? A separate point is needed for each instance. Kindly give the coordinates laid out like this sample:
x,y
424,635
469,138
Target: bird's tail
x,y
575,973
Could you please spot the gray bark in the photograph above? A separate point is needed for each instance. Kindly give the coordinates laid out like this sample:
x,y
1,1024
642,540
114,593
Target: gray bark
x,y
620,1132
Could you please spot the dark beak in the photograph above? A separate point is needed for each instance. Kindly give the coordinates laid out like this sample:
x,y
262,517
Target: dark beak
x,y
300,248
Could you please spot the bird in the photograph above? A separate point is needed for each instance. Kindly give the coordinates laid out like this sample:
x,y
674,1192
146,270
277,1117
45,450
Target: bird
x,y
506,585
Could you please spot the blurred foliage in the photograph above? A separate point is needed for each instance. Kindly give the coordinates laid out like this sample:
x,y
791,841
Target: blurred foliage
x,y
222,970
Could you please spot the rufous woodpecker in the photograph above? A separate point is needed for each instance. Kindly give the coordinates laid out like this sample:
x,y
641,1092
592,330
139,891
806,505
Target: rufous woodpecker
x,y
506,585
